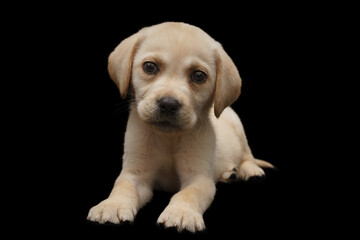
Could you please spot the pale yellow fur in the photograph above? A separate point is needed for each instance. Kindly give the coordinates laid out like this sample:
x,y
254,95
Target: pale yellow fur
x,y
206,146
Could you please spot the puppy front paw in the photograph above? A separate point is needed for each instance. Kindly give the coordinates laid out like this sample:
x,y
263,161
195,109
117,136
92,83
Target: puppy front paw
x,y
113,211
183,218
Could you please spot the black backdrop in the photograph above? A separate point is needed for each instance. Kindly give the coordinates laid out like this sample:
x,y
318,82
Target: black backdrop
x,y
84,118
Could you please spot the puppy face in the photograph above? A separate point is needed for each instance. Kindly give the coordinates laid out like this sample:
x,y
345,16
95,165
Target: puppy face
x,y
173,76
177,73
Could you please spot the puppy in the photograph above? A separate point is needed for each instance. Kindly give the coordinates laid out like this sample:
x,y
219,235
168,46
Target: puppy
x,y
181,135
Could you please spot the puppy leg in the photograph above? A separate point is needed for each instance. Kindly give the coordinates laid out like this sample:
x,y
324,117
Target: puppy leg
x,y
186,207
251,167
129,194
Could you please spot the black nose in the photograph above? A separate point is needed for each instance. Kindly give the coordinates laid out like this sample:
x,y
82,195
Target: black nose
x,y
168,105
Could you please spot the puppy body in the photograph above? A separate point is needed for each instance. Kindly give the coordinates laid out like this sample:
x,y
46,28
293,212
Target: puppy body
x,y
181,136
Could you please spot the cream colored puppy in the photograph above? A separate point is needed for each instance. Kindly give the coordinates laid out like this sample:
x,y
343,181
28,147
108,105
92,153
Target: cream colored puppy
x,y
181,135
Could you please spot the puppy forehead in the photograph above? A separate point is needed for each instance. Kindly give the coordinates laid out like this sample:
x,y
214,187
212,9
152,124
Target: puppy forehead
x,y
177,41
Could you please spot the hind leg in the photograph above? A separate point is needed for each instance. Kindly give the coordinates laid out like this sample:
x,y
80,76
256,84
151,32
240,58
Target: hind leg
x,y
249,169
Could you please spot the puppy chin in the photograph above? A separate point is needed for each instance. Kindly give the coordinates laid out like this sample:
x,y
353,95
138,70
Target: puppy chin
x,y
166,127
173,125
169,127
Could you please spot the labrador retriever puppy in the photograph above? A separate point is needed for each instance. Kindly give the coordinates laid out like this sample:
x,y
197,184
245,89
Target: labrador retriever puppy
x,y
181,135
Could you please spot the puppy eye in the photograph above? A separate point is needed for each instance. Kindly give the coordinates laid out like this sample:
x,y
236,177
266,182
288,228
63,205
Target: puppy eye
x,y
150,68
198,77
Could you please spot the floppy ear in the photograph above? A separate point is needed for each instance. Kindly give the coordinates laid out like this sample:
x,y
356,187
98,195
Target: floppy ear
x,y
228,81
120,62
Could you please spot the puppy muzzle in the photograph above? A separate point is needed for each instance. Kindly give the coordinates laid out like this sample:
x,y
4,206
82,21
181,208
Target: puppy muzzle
x,y
167,112
168,106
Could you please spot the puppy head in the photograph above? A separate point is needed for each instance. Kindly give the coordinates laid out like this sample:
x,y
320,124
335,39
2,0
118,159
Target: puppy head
x,y
177,72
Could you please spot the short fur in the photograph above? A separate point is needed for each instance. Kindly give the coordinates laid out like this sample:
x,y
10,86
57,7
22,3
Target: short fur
x,y
188,152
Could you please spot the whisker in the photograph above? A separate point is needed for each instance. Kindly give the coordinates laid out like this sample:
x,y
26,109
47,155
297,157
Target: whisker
x,y
123,107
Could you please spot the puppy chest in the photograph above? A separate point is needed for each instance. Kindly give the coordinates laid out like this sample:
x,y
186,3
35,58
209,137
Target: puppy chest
x,y
166,174
167,179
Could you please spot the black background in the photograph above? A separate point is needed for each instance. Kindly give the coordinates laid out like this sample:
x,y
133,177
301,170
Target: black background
x,y
81,119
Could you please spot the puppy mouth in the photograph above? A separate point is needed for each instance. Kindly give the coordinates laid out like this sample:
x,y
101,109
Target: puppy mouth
x,y
166,115
166,123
